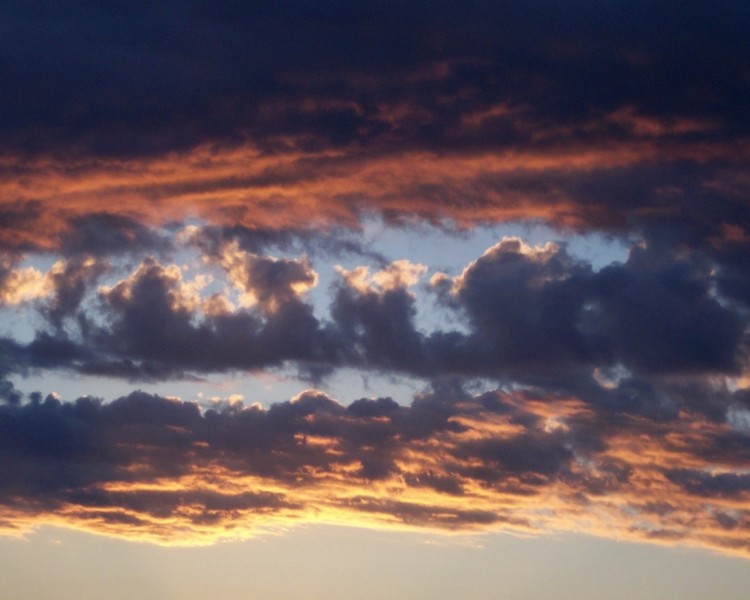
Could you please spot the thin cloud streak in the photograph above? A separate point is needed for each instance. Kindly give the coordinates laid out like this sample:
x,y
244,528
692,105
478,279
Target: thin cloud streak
x,y
563,183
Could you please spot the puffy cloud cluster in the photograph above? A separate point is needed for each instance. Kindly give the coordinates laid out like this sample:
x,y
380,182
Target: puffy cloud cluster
x,y
519,313
267,281
22,285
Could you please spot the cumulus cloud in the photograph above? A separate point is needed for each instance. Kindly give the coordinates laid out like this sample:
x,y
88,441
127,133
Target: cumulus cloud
x,y
23,285
61,288
267,281
398,274
540,308
525,313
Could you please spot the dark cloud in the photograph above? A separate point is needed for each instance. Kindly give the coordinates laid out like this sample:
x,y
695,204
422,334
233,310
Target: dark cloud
x,y
666,318
708,484
421,515
335,242
104,234
379,327
158,77
528,314
524,306
271,282
284,117
9,393
18,225
71,283
151,330
532,455
158,468
7,262
532,311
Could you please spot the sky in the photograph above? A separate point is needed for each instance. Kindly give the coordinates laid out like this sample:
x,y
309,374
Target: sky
x,y
375,299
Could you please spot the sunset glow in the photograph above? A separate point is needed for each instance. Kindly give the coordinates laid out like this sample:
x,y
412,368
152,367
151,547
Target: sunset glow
x,y
470,272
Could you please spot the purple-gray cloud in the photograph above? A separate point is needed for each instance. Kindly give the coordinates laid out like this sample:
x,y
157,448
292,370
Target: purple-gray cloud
x,y
148,467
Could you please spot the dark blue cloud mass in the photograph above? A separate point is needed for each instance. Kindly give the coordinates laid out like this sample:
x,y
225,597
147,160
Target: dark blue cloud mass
x,y
105,79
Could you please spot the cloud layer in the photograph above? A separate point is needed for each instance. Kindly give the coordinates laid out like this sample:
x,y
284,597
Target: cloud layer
x,y
148,467
177,181
519,313
286,116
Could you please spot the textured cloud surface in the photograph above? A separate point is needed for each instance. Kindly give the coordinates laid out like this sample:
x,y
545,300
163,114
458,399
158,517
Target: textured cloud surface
x,y
155,468
189,191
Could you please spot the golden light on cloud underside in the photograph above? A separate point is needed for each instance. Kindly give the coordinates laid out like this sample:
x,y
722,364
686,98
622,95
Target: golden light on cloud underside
x,y
478,473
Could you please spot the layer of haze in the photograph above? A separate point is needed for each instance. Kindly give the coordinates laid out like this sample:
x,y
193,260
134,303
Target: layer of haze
x,y
334,563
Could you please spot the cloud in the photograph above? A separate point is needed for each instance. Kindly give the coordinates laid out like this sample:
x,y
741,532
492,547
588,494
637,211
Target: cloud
x,y
174,186
538,307
104,233
267,281
501,119
374,317
164,81
22,285
158,325
9,393
150,467
518,313
399,274
613,185
58,293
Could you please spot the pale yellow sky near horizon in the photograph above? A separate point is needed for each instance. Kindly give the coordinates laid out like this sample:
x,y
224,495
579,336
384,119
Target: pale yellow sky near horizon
x,y
340,563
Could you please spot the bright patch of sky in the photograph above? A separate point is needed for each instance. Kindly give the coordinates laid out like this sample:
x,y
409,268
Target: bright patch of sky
x,y
339,563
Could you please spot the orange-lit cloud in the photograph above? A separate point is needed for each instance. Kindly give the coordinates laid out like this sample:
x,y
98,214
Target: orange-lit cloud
x,y
294,189
151,468
399,274
265,281
28,284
